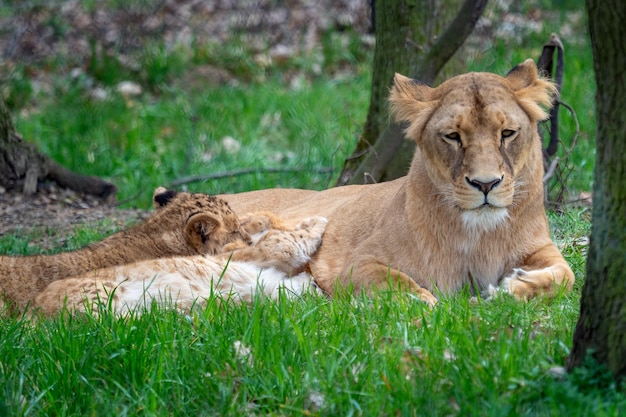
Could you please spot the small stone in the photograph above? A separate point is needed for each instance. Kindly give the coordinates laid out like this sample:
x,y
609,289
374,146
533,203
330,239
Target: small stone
x,y
230,144
557,371
129,89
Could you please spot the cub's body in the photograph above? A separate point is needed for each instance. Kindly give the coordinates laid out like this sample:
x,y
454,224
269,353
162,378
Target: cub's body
x,y
274,261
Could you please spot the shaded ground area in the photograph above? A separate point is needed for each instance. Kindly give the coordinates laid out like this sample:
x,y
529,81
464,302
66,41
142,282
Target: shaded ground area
x,y
54,212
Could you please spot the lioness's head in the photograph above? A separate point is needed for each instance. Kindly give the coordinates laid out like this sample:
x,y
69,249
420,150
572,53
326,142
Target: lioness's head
x,y
194,223
477,134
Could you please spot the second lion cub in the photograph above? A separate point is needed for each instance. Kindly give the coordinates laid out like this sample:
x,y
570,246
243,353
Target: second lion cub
x,y
275,260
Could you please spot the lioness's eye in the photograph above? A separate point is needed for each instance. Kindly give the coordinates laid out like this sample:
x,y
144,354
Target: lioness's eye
x,y
507,133
453,136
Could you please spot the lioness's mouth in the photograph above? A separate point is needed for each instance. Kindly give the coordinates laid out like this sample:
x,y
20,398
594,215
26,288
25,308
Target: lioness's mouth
x,y
487,207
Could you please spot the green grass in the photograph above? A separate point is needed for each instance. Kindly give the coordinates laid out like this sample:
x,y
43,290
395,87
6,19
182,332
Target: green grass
x,y
381,355
142,144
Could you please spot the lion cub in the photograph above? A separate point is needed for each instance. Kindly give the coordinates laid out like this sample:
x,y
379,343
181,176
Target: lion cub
x,y
180,226
275,260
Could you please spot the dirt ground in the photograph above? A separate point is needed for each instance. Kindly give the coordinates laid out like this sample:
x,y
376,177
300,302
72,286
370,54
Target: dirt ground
x,y
52,213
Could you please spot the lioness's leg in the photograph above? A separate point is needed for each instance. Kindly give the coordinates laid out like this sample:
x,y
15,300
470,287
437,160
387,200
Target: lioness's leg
x,y
542,273
372,275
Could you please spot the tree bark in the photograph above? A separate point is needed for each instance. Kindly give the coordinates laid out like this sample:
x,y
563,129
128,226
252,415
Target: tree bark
x,y
409,40
601,328
22,165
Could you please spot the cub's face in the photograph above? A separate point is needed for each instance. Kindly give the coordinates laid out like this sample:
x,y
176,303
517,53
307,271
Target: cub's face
x,y
476,134
194,223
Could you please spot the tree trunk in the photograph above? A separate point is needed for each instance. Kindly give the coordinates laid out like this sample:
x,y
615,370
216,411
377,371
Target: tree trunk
x,y
410,41
601,328
22,165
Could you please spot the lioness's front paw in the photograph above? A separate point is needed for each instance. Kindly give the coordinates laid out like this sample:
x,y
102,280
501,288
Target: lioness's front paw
x,y
524,284
427,297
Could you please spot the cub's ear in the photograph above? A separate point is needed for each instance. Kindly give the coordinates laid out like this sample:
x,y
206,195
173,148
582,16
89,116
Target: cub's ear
x,y
412,102
531,90
199,229
162,196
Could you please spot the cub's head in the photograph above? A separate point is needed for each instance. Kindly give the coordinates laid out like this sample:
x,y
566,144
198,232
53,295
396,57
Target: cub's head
x,y
477,134
190,223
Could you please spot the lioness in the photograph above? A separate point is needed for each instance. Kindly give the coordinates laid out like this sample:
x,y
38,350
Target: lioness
x,y
469,212
275,260
181,226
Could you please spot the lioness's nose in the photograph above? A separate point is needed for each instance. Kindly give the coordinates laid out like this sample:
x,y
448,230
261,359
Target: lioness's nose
x,y
482,185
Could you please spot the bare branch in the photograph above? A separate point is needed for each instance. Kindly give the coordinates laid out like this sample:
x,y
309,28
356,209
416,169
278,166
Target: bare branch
x,y
451,40
243,171
550,171
82,183
577,133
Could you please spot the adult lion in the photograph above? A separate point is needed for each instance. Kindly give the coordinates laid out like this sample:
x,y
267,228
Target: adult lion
x,y
469,212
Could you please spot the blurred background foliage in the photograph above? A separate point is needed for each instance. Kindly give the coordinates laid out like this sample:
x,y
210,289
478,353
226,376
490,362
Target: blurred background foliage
x,y
147,93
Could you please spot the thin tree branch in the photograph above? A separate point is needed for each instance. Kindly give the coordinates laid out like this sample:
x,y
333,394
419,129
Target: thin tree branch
x,y
243,171
569,150
550,171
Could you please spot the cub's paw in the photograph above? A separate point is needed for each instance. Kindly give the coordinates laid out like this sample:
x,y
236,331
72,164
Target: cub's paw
x,y
314,225
299,285
309,234
233,246
257,223
488,294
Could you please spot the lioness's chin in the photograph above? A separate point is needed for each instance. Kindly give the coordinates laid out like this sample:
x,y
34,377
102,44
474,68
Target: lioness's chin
x,y
484,219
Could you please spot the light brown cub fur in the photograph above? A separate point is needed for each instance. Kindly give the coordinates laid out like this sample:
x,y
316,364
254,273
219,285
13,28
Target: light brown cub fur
x,y
469,212
180,226
276,255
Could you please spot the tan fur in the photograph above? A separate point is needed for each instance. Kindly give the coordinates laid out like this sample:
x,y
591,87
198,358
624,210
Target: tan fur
x,y
180,226
430,231
276,255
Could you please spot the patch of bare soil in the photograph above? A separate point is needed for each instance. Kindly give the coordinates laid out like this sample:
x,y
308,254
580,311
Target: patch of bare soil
x,y
54,211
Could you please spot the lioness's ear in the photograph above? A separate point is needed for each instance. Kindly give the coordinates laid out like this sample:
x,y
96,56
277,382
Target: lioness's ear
x,y
162,196
198,231
531,90
411,101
